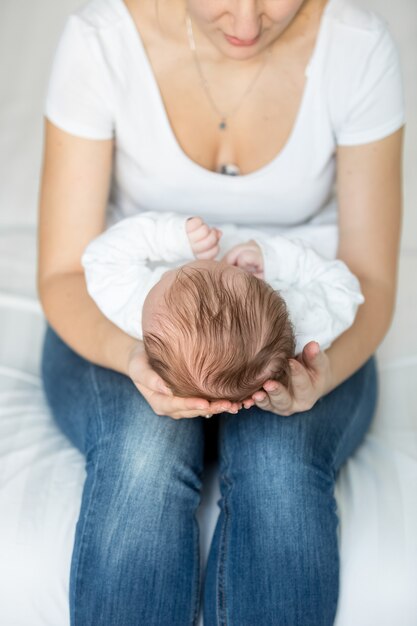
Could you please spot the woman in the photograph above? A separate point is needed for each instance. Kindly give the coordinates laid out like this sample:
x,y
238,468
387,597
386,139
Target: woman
x,y
151,105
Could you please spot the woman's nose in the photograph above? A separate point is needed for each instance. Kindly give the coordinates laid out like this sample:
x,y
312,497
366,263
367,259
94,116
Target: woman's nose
x,y
246,19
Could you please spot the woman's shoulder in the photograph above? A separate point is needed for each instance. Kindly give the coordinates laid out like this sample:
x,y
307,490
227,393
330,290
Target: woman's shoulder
x,y
354,19
98,15
359,43
362,67
80,92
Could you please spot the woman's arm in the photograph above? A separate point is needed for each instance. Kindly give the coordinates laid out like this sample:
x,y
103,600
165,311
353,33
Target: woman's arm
x,y
75,183
369,182
73,194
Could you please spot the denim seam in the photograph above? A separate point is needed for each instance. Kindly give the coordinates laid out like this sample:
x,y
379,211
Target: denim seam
x,y
221,593
336,600
344,436
89,509
197,587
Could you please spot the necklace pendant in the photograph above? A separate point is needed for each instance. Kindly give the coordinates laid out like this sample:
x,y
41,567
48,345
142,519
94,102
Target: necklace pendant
x,y
223,124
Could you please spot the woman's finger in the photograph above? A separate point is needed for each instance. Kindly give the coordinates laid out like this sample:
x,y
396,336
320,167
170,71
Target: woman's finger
x,y
311,354
317,365
300,379
194,407
214,408
176,407
274,397
262,402
248,403
144,376
185,415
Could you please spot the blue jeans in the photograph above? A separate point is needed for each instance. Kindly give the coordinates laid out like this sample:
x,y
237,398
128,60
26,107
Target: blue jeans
x,y
274,556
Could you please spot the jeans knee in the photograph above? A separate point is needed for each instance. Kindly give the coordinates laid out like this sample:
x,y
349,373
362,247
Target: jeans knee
x,y
285,491
277,481
154,460
139,491
274,452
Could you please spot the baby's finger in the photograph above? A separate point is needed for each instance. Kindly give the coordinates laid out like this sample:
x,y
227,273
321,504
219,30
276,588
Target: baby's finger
x,y
193,223
206,243
232,256
201,233
209,254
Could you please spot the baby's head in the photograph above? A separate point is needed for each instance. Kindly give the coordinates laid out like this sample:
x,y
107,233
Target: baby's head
x,y
212,330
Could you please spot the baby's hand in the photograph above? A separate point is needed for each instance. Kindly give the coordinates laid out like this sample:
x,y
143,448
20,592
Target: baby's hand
x,y
247,256
203,239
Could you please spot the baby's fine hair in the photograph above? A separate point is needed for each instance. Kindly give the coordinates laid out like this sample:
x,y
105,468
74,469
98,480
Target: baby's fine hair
x,y
220,336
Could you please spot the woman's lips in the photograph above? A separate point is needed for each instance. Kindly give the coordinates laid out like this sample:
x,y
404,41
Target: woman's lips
x,y
241,42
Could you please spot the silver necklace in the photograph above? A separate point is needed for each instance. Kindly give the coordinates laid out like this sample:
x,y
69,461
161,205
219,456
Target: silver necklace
x,y
223,116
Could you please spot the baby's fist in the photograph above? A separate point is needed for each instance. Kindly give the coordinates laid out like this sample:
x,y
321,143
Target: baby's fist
x,y
248,256
203,239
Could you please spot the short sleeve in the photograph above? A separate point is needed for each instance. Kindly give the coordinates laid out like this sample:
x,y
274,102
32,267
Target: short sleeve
x,y
375,107
78,96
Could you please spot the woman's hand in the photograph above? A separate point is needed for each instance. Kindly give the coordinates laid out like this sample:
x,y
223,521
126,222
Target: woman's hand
x,y
204,239
248,256
310,379
161,399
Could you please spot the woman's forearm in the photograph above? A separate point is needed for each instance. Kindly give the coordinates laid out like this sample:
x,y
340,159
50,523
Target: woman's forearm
x,y
78,321
354,347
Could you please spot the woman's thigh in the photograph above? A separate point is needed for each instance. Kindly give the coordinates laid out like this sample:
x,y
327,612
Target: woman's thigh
x,y
137,536
94,404
274,557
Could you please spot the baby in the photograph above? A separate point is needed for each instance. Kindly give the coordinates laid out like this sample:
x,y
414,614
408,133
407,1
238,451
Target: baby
x,y
217,328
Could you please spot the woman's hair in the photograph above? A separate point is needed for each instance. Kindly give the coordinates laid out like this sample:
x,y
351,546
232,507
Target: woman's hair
x,y
220,336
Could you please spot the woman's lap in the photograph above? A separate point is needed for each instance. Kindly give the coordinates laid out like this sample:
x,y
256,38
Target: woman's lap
x,y
277,508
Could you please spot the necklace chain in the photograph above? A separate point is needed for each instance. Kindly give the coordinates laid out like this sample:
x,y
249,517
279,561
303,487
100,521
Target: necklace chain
x,y
222,115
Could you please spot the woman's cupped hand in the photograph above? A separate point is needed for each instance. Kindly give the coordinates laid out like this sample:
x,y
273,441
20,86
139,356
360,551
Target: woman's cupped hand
x,y
310,380
161,398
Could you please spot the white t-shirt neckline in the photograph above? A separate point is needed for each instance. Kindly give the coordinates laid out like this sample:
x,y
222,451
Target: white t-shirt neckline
x,y
137,42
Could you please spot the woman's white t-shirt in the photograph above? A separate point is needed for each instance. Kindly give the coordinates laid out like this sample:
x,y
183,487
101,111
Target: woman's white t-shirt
x,y
102,85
